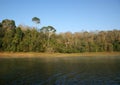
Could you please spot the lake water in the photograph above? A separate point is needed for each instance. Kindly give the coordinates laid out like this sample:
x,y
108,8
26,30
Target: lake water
x,y
60,71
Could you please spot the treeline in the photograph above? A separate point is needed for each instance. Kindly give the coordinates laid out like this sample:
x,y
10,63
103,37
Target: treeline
x,y
28,39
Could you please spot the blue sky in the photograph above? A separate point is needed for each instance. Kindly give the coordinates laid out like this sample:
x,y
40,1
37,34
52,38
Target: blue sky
x,y
64,15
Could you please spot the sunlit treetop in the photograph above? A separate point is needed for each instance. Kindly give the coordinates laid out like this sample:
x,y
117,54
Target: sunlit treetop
x,y
36,20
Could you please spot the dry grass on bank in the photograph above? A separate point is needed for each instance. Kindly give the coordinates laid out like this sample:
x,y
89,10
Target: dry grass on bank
x,y
33,54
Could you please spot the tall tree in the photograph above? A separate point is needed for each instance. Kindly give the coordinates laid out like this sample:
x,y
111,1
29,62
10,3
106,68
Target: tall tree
x,y
8,31
7,40
8,24
49,31
17,39
36,20
1,36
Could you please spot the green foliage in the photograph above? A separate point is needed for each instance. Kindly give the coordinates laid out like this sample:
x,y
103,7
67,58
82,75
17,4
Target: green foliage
x,y
17,39
48,32
36,20
7,40
27,39
116,45
8,24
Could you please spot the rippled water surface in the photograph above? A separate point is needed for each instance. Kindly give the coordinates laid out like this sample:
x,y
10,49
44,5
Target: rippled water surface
x,y
60,71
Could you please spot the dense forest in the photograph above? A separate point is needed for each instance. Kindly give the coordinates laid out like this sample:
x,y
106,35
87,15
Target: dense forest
x,y
30,39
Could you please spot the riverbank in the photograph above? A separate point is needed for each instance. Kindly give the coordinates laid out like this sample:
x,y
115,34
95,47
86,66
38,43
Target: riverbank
x,y
33,54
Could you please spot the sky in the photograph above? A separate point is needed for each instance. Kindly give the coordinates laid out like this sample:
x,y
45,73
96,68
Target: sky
x,y
64,15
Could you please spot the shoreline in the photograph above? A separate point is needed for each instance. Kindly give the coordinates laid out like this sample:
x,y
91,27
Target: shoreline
x,y
51,55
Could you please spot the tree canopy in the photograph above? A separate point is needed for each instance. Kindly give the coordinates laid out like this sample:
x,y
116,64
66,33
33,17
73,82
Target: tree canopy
x,y
8,24
27,39
36,20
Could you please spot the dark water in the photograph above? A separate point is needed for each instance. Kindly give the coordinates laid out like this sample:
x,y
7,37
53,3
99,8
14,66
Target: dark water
x,y
60,71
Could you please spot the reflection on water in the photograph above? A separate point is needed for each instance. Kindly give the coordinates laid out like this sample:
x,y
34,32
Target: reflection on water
x,y
60,71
